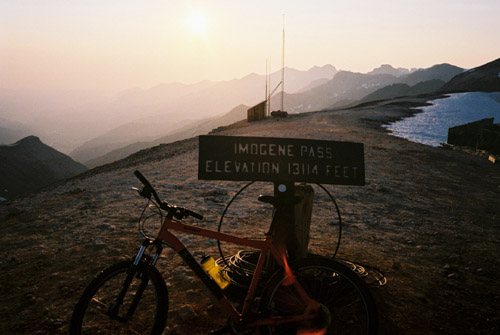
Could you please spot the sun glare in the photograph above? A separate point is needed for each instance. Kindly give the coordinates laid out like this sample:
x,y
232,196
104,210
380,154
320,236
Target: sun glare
x,y
197,21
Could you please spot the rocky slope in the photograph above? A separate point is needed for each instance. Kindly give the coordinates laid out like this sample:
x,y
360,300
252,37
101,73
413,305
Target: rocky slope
x,y
427,217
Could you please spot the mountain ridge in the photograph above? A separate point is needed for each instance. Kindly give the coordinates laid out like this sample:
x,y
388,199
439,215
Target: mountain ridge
x,y
484,78
29,164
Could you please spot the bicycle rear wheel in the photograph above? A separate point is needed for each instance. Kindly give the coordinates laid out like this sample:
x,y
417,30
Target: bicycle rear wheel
x,y
346,302
143,310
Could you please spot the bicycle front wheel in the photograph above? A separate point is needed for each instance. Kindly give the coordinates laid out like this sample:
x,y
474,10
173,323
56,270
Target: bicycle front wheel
x,y
346,304
105,307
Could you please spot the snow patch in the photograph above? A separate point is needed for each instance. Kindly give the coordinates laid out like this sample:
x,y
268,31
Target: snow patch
x,y
367,86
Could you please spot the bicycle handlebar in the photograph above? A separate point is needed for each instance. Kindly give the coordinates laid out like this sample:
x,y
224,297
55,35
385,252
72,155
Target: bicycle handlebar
x,y
193,214
178,212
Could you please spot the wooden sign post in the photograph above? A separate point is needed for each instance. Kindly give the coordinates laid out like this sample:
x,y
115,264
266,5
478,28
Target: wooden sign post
x,y
283,161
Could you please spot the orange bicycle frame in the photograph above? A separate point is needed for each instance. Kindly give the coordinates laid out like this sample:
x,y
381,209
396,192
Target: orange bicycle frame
x,y
265,246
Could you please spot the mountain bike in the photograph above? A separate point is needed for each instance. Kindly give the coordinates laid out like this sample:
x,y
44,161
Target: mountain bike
x,y
313,295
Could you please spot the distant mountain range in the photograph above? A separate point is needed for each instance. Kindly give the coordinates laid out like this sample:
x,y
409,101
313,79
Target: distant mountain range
x,y
388,69
29,165
343,89
348,88
168,107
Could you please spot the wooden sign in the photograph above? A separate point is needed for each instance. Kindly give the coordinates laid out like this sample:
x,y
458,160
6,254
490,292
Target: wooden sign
x,y
280,160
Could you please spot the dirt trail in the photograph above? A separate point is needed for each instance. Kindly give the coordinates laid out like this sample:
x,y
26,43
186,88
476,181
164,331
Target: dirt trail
x,y
428,218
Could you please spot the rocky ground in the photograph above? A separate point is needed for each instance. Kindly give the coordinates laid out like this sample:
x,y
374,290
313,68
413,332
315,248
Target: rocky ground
x,y
428,218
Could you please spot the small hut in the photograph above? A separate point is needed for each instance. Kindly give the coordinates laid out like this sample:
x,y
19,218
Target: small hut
x,y
257,112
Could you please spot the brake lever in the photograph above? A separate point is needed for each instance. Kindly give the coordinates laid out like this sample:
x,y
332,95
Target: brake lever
x,y
145,192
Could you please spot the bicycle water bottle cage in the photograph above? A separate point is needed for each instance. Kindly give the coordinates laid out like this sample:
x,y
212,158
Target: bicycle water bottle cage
x,y
281,200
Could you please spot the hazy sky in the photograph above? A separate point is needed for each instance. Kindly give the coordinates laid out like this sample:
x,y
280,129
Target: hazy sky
x,y
117,44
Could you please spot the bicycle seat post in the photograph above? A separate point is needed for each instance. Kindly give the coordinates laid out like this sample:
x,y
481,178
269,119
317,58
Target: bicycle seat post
x,y
283,222
284,191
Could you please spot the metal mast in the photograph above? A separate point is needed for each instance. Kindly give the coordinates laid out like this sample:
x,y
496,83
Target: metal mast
x,y
266,95
283,68
269,91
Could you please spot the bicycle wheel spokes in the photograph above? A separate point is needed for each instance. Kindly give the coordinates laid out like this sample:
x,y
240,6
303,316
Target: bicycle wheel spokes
x,y
143,309
346,304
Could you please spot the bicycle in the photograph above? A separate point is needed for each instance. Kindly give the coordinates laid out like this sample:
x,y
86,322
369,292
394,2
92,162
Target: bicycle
x,y
313,295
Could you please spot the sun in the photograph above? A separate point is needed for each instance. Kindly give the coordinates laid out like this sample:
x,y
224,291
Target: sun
x,y
197,21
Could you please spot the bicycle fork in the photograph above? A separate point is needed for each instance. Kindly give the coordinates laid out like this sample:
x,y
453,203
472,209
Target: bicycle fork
x,y
114,308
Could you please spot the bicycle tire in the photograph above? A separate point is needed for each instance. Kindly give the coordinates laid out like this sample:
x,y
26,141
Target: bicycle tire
x,y
350,307
149,317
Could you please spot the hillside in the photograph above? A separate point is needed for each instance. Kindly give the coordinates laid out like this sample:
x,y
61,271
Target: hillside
x,y
403,90
485,78
427,218
443,72
345,86
421,81
182,132
29,165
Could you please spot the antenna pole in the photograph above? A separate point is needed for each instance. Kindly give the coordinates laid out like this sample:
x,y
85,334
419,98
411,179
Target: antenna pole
x,y
266,95
283,68
269,91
